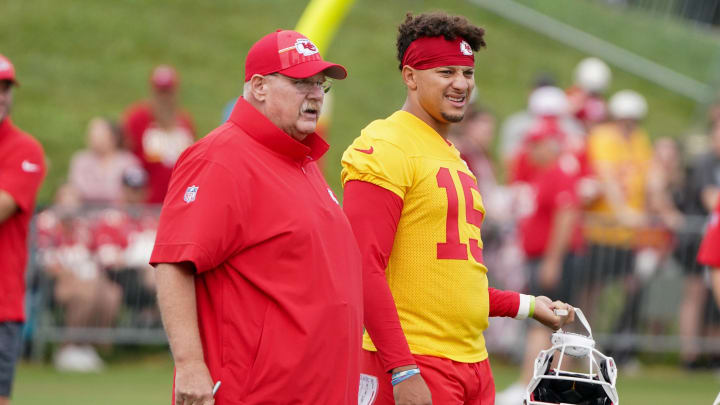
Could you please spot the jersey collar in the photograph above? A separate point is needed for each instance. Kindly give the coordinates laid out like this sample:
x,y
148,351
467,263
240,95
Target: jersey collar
x,y
418,126
260,128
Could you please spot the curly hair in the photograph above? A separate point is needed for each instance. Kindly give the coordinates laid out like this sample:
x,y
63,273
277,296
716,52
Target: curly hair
x,y
434,25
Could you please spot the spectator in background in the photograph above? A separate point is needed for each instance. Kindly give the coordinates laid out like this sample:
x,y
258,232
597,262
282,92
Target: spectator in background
x,y
620,153
551,239
158,131
586,96
514,127
68,245
96,172
546,103
22,169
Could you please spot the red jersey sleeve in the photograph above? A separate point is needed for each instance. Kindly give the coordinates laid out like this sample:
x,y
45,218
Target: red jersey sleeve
x,y
22,172
503,303
202,215
374,213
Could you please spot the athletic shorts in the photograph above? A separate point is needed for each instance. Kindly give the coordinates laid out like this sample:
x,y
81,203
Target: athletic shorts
x,y
10,339
450,382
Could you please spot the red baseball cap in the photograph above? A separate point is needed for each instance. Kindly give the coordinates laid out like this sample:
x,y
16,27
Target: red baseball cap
x,y
7,70
291,54
164,77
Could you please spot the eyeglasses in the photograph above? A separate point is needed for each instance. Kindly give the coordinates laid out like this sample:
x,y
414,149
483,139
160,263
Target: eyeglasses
x,y
307,85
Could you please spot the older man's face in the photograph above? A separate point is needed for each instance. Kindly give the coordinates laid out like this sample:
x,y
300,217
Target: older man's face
x,y
293,105
5,98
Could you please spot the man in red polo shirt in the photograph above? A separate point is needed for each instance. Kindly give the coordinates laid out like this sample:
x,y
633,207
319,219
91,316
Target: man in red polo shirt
x,y
22,168
258,272
709,253
158,131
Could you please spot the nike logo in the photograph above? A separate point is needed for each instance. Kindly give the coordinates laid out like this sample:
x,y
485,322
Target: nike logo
x,y
29,167
368,151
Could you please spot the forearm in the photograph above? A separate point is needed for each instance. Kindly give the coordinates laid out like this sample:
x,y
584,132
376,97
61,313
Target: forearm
x,y
503,303
176,300
710,196
383,324
7,206
715,280
561,234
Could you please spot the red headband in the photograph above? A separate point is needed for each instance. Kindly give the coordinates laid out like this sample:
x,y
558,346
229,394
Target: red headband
x,y
430,52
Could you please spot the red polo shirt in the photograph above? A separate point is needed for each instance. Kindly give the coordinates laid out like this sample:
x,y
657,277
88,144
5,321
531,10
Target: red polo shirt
x,y
710,249
22,168
553,189
278,282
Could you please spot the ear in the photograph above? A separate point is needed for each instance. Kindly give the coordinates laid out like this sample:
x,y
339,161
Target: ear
x,y
258,87
410,77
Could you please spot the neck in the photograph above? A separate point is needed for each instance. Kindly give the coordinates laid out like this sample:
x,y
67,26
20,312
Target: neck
x,y
415,109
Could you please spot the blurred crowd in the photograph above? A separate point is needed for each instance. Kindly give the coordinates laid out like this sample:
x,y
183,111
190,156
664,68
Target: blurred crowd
x,y
590,201
578,197
94,242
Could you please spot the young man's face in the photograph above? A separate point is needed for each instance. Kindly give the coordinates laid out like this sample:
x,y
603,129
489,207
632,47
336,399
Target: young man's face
x,y
6,98
444,92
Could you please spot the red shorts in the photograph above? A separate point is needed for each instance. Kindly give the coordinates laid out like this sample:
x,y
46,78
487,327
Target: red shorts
x,y
450,382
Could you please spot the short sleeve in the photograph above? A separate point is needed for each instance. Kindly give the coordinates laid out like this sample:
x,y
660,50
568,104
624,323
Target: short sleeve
x,y
378,162
202,215
22,172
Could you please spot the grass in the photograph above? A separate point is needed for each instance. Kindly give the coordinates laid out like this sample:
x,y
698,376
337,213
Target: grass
x,y
81,58
148,381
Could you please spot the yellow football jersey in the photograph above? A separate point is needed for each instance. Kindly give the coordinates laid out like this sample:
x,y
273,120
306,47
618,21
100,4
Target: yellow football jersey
x,y
629,160
435,271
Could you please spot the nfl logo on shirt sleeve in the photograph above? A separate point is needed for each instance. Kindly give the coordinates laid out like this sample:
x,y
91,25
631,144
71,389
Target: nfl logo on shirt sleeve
x,y
190,194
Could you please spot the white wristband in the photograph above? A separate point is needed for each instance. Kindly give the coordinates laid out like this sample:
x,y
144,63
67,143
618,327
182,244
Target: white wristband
x,y
524,307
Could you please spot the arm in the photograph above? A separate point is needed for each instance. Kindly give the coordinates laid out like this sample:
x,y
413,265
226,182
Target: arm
x,y
715,281
710,196
562,229
374,213
7,206
176,299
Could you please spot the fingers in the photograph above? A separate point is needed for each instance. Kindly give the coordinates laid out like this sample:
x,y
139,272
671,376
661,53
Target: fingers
x,y
193,399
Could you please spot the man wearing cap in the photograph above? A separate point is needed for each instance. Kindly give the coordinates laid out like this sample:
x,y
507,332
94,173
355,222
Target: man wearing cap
x,y
22,168
158,131
258,272
416,211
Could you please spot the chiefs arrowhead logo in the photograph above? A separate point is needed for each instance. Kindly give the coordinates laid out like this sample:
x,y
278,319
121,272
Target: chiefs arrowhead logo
x,y
465,48
305,47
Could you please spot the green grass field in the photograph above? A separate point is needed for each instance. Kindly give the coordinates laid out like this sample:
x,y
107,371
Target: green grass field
x,y
148,381
81,58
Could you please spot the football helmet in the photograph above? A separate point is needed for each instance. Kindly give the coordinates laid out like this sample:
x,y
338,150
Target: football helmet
x,y
556,386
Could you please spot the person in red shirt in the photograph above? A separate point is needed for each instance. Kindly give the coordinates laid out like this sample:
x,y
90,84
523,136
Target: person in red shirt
x,y
22,169
258,272
158,131
550,237
709,253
